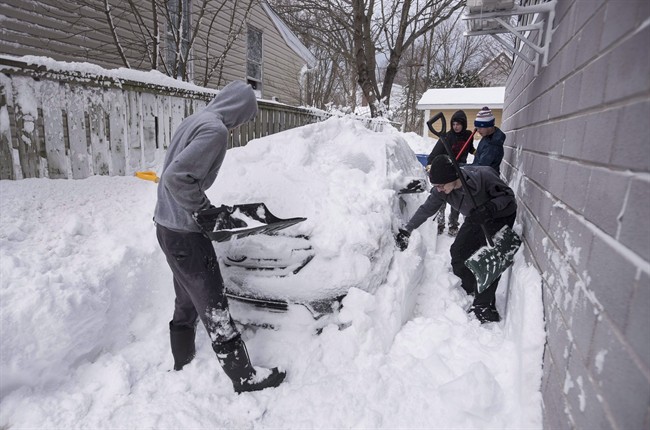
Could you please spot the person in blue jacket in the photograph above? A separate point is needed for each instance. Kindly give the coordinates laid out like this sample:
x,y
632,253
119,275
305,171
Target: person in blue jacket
x,y
191,166
490,149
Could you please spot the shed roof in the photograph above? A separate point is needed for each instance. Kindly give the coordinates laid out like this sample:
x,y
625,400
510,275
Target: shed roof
x,y
462,98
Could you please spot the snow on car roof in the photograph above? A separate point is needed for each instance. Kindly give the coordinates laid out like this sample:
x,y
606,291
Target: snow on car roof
x,y
344,179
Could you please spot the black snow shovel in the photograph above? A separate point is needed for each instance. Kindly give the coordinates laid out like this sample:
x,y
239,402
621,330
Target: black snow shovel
x,y
489,262
235,222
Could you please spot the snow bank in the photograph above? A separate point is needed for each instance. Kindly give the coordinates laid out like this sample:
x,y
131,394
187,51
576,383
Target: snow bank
x,y
85,297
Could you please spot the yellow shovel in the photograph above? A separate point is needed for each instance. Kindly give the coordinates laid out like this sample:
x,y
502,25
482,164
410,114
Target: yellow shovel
x,y
149,175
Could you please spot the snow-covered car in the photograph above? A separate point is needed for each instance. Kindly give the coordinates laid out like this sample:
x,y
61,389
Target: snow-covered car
x,y
348,182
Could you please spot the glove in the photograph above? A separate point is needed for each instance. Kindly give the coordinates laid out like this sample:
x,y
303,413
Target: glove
x,y
402,239
415,186
206,219
482,214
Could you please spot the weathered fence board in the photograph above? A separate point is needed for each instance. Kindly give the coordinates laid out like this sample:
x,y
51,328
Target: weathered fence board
x,y
177,113
133,127
58,163
234,139
117,131
62,124
26,113
97,131
6,115
77,138
149,117
163,124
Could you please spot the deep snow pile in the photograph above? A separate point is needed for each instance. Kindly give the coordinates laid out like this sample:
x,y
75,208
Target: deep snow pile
x,y
346,191
86,295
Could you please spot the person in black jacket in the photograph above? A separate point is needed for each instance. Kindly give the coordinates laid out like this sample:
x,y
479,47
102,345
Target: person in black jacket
x,y
456,137
191,166
496,207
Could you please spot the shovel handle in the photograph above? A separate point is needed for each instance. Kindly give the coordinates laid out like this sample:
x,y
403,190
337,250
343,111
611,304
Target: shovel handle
x,y
471,136
442,137
439,116
443,129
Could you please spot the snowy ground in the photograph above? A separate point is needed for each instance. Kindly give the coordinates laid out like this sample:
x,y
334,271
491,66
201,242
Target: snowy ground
x,y
85,297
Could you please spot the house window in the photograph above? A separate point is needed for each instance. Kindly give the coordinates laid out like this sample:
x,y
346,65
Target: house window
x,y
178,56
254,60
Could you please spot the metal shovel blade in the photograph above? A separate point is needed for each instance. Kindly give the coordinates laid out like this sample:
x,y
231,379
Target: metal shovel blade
x,y
488,263
272,227
245,220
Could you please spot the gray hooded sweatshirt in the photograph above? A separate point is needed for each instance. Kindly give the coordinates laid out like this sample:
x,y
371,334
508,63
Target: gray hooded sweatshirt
x,y
484,184
196,153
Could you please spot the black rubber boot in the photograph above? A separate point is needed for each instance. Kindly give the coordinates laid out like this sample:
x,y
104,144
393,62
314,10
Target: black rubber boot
x,y
485,313
182,342
234,359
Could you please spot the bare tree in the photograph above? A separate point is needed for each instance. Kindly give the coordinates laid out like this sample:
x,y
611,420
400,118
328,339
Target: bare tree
x,y
360,31
457,58
235,29
111,24
402,23
164,35
443,58
412,78
326,29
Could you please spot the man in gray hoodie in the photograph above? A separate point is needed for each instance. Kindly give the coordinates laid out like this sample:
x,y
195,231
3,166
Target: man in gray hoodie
x,y
191,166
496,207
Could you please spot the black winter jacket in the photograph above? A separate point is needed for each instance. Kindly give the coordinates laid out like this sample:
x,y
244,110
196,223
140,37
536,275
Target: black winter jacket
x,y
490,150
456,140
484,184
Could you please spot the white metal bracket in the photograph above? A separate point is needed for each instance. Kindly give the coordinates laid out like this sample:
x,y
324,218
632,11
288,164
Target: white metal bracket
x,y
495,22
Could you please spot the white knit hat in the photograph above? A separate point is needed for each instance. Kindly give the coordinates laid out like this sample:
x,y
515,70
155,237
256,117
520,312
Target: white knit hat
x,y
484,118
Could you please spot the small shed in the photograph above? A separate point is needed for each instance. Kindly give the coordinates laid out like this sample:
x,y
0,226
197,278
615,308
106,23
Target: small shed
x,y
471,100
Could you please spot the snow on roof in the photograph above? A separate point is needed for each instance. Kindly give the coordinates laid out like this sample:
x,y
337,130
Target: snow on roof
x,y
153,77
289,36
462,98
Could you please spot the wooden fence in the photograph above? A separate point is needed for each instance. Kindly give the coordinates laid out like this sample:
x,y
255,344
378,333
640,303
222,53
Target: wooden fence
x,y
72,124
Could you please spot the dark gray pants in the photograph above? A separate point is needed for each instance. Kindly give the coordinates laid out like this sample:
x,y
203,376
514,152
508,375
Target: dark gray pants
x,y
453,216
469,239
198,283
